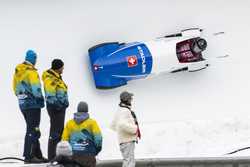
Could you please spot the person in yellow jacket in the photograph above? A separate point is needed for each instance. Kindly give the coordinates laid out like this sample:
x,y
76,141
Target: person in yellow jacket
x,y
84,136
56,95
27,88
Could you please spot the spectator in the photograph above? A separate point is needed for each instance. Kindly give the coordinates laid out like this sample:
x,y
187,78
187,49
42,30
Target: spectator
x,y
27,88
84,136
56,103
126,125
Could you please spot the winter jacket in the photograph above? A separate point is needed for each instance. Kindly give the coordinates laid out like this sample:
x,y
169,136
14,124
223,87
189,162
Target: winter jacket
x,y
55,90
123,123
83,134
27,87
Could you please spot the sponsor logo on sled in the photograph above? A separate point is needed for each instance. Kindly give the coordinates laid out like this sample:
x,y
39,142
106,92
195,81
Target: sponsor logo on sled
x,y
132,61
143,59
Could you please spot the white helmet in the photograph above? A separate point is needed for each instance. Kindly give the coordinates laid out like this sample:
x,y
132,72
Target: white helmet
x,y
63,148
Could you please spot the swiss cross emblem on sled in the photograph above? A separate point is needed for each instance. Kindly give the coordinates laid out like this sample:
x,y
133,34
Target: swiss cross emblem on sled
x,y
132,61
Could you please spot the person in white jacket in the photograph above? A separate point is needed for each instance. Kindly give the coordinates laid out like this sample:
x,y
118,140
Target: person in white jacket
x,y
126,125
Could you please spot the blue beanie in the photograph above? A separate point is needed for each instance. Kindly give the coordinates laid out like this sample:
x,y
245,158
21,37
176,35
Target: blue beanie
x,y
31,56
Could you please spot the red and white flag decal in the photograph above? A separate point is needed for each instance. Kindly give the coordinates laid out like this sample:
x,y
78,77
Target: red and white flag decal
x,y
132,61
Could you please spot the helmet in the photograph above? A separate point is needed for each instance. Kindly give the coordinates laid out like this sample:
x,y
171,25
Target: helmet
x,y
199,45
125,96
202,43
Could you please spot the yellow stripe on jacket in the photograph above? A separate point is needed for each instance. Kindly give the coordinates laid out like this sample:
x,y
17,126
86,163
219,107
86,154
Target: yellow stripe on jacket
x,y
90,125
56,91
27,86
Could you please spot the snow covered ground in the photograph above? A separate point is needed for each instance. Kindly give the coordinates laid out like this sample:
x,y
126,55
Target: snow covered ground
x,y
181,115
170,140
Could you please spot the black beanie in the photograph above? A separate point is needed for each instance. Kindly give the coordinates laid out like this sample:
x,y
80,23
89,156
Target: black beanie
x,y
57,64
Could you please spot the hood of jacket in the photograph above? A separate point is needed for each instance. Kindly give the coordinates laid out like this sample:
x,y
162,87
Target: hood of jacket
x,y
79,117
50,74
21,68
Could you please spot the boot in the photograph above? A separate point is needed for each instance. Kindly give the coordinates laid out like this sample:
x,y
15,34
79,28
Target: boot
x,y
33,160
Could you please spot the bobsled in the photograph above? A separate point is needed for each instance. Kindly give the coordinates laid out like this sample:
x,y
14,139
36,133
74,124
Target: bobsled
x,y
113,64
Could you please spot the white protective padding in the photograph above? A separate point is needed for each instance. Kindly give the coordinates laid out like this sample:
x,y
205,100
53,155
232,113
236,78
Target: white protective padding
x,y
164,56
63,148
197,65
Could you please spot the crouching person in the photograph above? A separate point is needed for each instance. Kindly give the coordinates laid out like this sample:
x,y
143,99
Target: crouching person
x,y
84,136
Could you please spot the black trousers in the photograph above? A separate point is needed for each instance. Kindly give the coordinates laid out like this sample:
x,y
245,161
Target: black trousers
x,y
77,161
31,143
85,160
57,118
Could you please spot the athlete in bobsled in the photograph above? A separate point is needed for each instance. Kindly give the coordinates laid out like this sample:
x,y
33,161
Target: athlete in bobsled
x,y
114,64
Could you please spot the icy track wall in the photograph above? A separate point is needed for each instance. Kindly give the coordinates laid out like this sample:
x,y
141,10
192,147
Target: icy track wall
x,y
186,114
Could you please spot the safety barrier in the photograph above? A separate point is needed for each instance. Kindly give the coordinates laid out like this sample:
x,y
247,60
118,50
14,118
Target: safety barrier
x,y
183,162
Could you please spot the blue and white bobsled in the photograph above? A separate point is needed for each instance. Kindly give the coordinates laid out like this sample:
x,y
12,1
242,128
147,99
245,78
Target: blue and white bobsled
x,y
114,64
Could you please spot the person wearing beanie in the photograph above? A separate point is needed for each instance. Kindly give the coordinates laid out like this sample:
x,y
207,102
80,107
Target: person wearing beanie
x,y
56,95
27,88
31,57
57,64
84,136
126,125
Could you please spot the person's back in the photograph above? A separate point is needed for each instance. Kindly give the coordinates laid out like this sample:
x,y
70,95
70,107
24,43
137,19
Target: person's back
x,y
84,136
55,89
56,103
27,88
